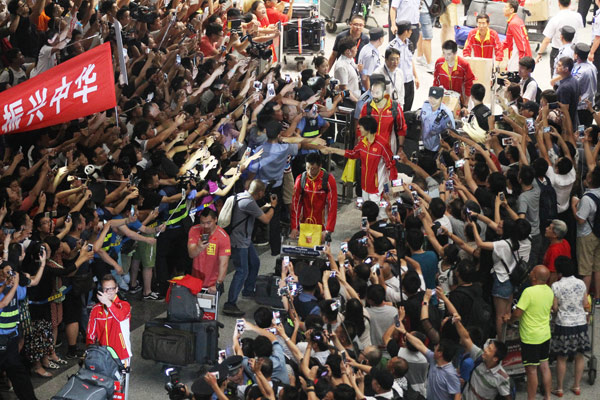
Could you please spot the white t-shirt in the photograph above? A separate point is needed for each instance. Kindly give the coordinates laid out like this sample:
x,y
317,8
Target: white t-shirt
x,y
530,92
347,74
46,60
503,255
562,18
562,185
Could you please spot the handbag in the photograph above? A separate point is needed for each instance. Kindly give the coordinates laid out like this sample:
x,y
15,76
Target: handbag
x,y
519,273
349,168
310,234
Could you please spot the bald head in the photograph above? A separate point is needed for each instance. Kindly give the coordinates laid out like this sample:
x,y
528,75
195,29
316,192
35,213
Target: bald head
x,y
541,274
397,366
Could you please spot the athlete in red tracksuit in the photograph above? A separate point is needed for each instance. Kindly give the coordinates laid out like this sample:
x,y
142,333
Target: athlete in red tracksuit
x,y
458,78
385,121
515,33
109,320
483,45
372,151
309,206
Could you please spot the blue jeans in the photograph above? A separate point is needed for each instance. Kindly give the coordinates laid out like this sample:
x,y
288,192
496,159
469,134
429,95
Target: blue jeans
x,y
246,263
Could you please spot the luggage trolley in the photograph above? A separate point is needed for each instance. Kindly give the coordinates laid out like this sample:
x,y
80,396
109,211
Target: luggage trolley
x,y
303,35
336,11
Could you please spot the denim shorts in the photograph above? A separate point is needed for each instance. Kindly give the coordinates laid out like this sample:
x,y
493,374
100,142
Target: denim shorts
x,y
502,290
426,26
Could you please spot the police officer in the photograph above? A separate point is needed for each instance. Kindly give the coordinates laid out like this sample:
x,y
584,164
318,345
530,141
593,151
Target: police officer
x,y
10,361
435,117
369,56
586,74
406,64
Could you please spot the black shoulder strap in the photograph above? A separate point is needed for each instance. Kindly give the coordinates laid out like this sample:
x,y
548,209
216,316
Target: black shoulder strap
x,y
369,109
596,201
395,116
302,183
325,181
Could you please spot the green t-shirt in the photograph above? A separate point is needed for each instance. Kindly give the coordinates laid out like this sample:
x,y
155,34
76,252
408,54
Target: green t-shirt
x,y
536,302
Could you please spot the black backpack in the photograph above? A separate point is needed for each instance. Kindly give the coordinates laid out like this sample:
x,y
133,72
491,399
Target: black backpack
x,y
548,202
538,93
481,311
596,225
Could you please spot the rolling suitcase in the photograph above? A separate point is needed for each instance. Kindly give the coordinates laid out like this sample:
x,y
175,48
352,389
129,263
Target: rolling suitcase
x,y
170,346
334,12
205,337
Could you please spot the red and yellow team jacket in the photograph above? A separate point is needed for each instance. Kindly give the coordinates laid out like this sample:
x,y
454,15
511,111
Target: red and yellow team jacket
x,y
110,327
517,33
309,207
385,119
459,78
371,154
485,47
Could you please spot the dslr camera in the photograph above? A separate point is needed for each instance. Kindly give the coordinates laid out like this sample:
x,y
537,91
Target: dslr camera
x,y
511,76
175,388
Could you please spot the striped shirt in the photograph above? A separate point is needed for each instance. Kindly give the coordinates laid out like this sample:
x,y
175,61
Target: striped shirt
x,y
486,383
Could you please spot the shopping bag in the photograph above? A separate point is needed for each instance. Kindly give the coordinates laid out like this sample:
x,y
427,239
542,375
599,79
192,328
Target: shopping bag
x,y
348,174
310,235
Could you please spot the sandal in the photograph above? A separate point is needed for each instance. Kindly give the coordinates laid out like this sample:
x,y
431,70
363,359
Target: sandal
x,y
52,365
46,374
576,391
558,393
59,361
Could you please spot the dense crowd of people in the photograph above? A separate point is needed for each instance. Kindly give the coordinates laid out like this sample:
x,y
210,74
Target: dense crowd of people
x,y
473,222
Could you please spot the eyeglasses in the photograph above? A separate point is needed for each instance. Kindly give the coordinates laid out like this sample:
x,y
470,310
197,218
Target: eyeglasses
x,y
358,25
109,289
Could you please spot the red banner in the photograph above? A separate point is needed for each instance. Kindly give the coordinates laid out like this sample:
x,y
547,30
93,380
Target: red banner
x,y
76,88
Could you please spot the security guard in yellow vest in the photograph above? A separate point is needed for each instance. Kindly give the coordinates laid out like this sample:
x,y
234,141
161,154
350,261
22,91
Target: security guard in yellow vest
x,y
171,246
10,361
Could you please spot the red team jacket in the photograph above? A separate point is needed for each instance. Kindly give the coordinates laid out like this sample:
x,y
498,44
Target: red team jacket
x,y
385,120
111,327
370,156
517,32
310,206
460,78
484,48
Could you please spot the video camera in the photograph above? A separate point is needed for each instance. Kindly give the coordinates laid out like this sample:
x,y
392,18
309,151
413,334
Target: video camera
x,y
142,13
511,76
260,50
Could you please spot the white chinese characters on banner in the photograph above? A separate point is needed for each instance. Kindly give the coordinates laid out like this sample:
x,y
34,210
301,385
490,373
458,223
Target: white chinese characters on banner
x,y
37,102
14,112
86,78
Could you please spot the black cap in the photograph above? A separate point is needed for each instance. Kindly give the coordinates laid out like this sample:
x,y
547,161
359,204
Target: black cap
x,y
582,48
233,364
436,92
201,387
568,29
378,78
309,275
376,34
304,93
383,377
403,25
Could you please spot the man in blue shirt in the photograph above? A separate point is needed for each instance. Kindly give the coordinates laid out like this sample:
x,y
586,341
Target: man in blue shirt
x,y
435,117
269,169
587,77
568,89
10,360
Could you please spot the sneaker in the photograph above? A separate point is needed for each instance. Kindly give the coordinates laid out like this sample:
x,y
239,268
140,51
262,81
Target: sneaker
x,y
597,303
261,242
135,289
232,310
74,355
430,68
250,295
153,296
421,60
